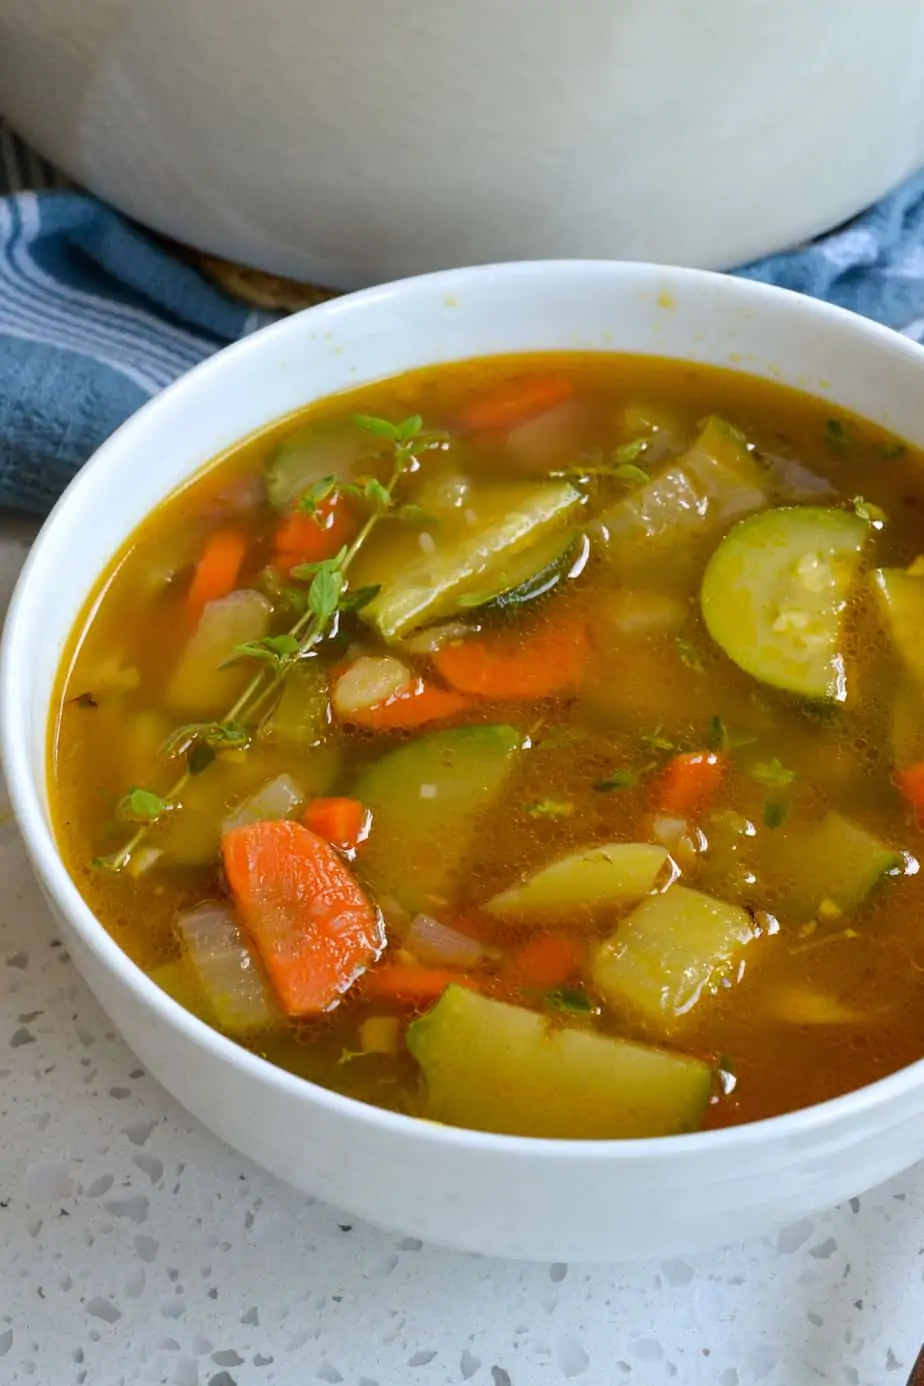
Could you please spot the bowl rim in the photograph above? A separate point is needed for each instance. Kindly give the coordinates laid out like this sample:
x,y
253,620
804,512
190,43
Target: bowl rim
x,y
25,792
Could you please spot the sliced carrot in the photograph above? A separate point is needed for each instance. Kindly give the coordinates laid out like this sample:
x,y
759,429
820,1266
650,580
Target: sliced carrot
x,y
517,664
910,784
514,402
217,569
547,961
689,783
312,924
340,821
410,982
411,706
310,538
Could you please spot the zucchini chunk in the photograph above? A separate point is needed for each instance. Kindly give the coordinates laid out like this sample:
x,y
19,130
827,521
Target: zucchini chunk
x,y
775,592
495,1067
583,884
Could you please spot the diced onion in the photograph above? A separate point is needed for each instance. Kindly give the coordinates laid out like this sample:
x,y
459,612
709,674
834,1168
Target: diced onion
x,y
280,798
437,944
230,976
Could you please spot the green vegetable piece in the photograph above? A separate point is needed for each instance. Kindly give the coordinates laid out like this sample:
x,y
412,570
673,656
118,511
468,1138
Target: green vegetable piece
x,y
775,592
835,859
531,574
578,887
329,448
671,955
301,717
425,799
716,481
495,1067
475,555
900,598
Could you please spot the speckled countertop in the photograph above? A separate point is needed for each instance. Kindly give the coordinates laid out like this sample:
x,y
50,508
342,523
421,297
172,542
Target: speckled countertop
x,y
135,1248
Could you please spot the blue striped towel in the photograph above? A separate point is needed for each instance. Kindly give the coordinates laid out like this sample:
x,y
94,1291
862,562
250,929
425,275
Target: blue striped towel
x,y
96,315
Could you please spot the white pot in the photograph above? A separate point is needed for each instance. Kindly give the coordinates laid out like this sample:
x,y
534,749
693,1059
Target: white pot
x,y
540,1199
348,143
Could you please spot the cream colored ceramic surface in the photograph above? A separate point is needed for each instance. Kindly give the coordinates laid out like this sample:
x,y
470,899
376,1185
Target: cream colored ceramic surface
x,y
530,1199
348,143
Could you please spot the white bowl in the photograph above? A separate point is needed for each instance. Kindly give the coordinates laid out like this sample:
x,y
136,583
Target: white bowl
x,y
539,1199
350,143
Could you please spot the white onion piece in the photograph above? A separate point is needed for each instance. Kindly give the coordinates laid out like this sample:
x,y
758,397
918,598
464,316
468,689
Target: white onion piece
x,y
226,969
548,438
436,944
280,798
643,612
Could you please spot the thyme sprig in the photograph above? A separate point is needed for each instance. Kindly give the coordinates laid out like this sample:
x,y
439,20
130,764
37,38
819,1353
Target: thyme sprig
x,y
328,594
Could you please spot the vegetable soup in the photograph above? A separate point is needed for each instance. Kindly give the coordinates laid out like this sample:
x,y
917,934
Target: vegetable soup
x,y
532,744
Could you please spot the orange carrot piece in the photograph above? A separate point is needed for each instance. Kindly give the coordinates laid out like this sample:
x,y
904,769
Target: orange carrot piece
x,y
516,664
547,961
313,926
410,982
217,569
310,538
514,403
412,706
910,784
342,822
689,783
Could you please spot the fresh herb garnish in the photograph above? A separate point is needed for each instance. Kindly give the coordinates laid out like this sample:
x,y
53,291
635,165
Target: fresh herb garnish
x,y
689,654
85,700
719,738
277,650
318,492
406,441
571,999
872,514
657,741
890,451
550,808
630,473
772,773
624,779
775,812
141,806
356,598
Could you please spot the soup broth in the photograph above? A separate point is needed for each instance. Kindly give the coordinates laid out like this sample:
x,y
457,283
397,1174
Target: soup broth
x,y
532,744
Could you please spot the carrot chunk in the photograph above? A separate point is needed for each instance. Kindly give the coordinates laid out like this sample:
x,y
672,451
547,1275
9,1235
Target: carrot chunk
x,y
517,664
910,784
313,926
339,821
689,783
515,402
217,569
409,982
547,961
311,538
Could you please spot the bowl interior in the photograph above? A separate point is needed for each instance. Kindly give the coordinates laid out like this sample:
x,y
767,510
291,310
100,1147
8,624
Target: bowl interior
x,y
587,306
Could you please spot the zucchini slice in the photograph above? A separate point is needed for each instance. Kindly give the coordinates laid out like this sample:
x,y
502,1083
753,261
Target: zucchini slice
x,y
495,1067
672,953
577,888
775,592
331,447
531,574
715,481
835,860
472,561
900,598
425,799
